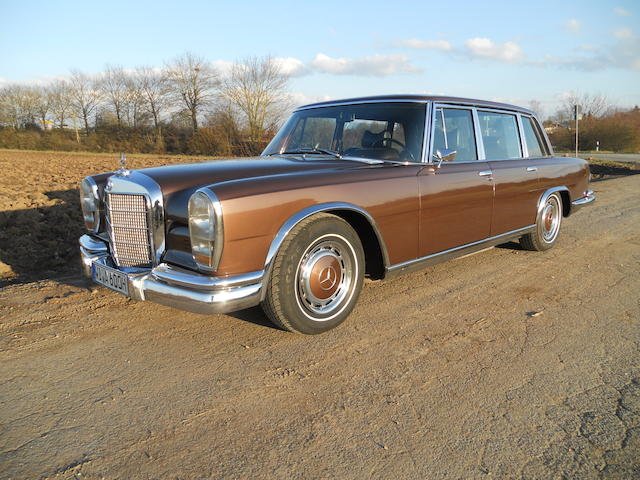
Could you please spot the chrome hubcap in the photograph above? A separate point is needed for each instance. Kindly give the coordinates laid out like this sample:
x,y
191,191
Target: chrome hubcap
x,y
550,219
324,277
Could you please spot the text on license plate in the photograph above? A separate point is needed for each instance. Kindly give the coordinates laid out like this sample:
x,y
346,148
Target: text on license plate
x,y
111,278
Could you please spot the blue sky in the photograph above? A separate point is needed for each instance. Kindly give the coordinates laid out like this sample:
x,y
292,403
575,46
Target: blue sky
x,y
505,50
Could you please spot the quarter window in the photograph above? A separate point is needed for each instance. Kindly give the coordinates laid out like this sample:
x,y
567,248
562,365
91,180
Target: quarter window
x,y
499,135
532,137
453,130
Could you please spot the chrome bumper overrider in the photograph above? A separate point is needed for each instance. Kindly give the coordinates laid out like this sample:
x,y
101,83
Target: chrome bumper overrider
x,y
587,199
178,287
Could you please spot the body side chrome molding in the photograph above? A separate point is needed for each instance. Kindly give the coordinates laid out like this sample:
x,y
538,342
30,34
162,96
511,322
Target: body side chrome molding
x,y
435,258
307,212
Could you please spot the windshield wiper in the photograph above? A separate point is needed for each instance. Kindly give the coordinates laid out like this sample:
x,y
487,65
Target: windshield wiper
x,y
313,150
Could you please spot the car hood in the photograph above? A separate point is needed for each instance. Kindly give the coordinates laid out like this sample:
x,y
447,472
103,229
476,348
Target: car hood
x,y
178,182
175,178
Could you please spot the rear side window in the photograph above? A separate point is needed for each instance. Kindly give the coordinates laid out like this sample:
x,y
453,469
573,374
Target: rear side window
x,y
499,135
453,130
532,137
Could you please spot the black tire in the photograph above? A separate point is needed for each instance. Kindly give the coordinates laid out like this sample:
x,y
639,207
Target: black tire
x,y
321,251
547,228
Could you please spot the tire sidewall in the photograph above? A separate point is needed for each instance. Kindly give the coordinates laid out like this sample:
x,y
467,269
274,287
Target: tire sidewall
x,y
336,230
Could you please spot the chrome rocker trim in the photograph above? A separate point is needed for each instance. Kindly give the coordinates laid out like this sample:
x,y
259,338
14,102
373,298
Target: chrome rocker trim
x,y
587,199
456,252
177,287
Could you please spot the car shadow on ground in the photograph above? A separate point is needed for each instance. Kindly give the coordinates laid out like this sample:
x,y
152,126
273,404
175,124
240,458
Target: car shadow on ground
x,y
41,243
253,315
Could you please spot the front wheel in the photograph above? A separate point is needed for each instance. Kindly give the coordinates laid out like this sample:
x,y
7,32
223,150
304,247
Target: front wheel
x,y
316,277
547,228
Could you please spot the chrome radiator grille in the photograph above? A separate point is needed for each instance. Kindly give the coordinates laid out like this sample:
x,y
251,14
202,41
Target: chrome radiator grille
x,y
128,229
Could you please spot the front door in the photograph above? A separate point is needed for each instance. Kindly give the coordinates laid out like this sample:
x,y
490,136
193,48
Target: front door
x,y
456,200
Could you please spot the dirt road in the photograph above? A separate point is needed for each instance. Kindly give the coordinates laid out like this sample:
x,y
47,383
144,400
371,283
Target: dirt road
x,y
506,364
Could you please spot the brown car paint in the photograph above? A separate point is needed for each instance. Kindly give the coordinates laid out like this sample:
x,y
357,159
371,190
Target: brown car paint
x,y
517,191
455,205
388,193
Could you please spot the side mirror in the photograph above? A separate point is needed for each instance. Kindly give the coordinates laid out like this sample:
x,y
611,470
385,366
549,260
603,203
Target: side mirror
x,y
444,155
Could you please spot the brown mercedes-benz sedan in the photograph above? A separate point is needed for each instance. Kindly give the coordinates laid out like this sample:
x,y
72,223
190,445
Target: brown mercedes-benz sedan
x,y
361,187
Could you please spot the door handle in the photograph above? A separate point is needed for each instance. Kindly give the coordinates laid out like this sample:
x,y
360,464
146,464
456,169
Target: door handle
x,y
532,169
485,173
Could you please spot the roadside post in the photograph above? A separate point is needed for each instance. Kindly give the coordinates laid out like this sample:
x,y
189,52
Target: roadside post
x,y
577,116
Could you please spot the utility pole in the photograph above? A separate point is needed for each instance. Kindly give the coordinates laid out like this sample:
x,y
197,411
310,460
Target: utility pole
x,y
576,113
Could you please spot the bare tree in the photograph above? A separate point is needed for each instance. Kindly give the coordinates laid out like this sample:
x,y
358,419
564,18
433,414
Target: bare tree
x,y
591,104
192,81
85,96
43,104
113,84
258,88
135,103
61,102
20,105
10,113
537,107
154,87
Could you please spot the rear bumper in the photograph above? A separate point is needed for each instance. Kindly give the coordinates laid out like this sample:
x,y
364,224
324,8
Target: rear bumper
x,y
588,198
178,287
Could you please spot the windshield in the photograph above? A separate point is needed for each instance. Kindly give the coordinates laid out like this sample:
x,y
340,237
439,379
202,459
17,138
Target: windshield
x,y
382,131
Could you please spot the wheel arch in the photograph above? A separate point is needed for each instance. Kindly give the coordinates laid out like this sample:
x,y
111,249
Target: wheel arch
x,y
565,196
376,257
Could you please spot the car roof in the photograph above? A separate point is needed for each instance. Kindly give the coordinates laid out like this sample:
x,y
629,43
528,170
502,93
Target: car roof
x,y
418,98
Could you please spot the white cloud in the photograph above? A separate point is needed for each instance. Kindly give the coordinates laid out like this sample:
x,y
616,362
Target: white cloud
x,y
374,65
291,66
485,48
424,45
222,66
623,33
299,98
622,12
573,25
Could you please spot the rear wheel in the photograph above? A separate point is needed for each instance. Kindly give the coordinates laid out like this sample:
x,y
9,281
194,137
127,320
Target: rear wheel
x,y
547,228
317,276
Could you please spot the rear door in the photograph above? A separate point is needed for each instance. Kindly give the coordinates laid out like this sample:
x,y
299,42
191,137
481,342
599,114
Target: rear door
x,y
515,176
455,199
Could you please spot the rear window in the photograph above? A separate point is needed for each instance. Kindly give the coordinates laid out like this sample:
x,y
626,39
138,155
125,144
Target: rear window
x,y
532,138
499,135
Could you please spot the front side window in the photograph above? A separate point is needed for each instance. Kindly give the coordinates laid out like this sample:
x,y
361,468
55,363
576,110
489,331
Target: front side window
x,y
532,137
453,130
385,131
499,135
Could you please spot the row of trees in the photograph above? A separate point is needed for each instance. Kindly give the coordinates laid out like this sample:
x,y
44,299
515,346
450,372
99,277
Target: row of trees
x,y
602,125
186,106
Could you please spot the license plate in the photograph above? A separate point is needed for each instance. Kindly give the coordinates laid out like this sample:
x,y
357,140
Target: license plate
x,y
111,278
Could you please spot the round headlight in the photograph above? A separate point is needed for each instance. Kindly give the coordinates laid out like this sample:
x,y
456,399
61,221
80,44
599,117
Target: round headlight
x,y
205,229
90,204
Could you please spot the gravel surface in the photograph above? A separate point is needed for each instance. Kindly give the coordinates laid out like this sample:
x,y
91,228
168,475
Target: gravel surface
x,y
506,364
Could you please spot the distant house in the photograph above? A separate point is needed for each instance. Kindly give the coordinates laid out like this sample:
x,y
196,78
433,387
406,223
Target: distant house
x,y
552,127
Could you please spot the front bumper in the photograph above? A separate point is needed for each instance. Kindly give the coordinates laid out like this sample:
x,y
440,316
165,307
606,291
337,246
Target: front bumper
x,y
588,198
178,287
